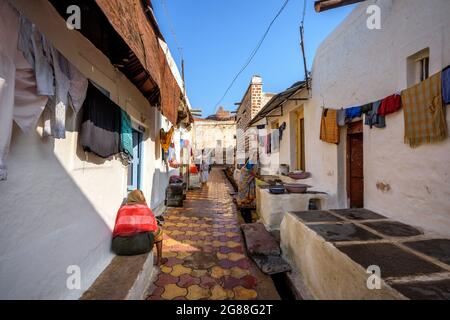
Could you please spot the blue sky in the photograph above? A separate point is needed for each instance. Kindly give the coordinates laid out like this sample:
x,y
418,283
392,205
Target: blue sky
x,y
217,37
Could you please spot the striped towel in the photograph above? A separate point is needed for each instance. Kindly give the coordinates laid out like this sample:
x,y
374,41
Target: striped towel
x,y
424,112
329,130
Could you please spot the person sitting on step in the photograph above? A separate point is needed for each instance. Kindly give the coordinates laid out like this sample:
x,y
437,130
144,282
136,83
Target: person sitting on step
x,y
136,229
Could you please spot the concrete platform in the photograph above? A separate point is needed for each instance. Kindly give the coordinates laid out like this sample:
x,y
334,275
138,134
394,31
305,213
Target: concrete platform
x,y
272,208
332,256
434,290
393,229
436,248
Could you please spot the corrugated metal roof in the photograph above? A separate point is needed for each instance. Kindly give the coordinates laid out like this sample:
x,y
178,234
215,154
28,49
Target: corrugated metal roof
x,y
278,100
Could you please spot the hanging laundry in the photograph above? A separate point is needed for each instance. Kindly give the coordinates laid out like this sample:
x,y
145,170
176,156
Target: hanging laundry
x,y
36,50
101,124
261,127
424,112
9,35
281,130
166,138
61,100
352,113
365,109
269,144
373,119
261,141
340,117
329,130
28,105
446,85
390,105
78,88
126,136
275,141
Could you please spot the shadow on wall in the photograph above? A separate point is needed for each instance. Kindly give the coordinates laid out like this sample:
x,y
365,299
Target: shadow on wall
x,y
47,224
160,183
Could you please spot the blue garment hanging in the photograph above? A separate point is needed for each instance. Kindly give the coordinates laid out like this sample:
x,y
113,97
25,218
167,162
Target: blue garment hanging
x,y
354,112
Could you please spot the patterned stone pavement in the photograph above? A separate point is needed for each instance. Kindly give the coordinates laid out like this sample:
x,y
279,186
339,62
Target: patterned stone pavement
x,y
205,251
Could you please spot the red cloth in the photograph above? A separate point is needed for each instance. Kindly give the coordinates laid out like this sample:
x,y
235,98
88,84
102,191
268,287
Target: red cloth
x,y
134,219
390,105
194,169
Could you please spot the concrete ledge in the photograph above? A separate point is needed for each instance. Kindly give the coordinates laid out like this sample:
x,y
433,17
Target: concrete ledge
x,y
332,250
327,273
126,278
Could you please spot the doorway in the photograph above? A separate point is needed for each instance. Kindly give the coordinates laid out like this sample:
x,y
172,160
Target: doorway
x,y
300,141
135,167
355,165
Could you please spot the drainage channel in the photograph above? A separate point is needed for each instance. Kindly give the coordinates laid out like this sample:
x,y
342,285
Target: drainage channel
x,y
284,289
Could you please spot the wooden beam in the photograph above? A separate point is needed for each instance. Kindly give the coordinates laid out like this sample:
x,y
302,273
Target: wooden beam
x,y
323,5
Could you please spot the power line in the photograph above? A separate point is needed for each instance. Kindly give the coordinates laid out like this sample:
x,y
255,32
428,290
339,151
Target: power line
x,y
304,12
254,52
172,29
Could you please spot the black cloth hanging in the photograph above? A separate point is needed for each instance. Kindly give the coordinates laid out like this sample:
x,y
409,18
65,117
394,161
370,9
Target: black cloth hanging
x,y
101,124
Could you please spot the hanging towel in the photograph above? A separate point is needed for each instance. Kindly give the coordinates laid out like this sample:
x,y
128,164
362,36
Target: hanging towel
x,y
9,34
340,117
352,113
329,130
101,124
373,119
446,85
424,112
275,141
390,105
126,136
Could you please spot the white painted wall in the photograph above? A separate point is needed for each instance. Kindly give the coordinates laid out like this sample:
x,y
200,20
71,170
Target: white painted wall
x,y
207,132
59,204
355,66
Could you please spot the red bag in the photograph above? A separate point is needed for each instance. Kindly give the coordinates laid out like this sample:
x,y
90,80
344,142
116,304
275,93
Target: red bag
x,y
134,219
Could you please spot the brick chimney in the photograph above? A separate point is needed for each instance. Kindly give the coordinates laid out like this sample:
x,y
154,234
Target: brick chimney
x,y
256,88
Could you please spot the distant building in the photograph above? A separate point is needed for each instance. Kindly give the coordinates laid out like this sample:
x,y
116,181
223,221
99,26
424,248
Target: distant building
x,y
253,101
217,135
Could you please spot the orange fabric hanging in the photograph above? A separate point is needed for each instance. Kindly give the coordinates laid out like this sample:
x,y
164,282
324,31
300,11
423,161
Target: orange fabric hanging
x,y
166,138
329,130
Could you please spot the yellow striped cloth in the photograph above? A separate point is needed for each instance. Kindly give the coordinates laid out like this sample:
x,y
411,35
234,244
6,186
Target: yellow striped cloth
x,y
424,112
329,130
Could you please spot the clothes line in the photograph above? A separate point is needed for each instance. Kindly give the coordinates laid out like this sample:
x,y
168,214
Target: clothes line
x,y
424,103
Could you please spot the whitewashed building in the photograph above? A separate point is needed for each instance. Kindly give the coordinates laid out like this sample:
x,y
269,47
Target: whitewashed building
x,y
59,203
357,65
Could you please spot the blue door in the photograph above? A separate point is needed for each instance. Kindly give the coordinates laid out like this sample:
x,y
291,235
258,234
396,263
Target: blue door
x,y
135,167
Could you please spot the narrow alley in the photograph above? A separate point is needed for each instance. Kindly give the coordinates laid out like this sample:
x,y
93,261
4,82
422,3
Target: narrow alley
x,y
205,250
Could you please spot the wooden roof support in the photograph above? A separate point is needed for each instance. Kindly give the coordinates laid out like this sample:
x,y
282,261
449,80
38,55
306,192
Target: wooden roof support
x,y
323,5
